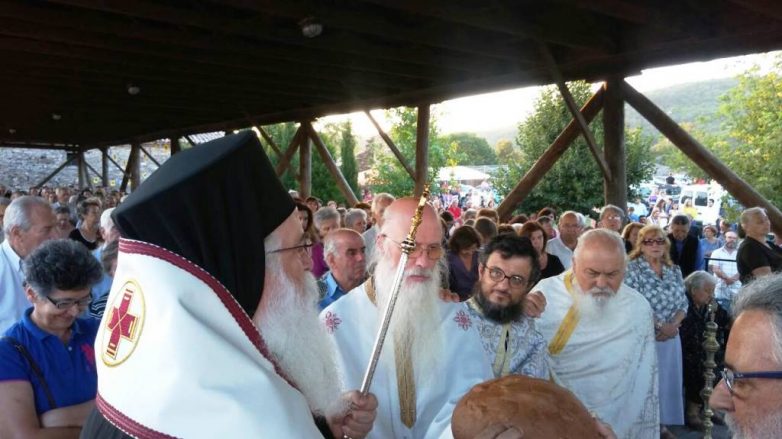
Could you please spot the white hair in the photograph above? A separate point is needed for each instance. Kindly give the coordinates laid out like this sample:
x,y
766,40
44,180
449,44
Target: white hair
x,y
18,213
764,294
106,222
604,236
354,215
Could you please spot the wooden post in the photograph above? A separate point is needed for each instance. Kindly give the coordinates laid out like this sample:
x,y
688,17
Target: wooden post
x,y
571,105
305,168
391,145
285,160
701,156
614,188
135,170
174,144
104,155
80,169
421,149
549,158
336,174
56,171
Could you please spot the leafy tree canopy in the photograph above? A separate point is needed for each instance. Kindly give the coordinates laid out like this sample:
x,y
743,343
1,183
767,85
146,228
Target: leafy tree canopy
x,y
471,149
388,174
574,182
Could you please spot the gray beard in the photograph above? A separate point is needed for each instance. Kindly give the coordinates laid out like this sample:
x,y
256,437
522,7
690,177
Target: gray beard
x,y
415,322
770,427
299,343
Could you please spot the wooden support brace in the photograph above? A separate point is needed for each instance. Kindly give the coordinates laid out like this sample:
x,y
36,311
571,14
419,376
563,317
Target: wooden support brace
x,y
56,171
571,105
421,149
549,157
701,156
285,160
97,174
150,156
190,140
104,162
173,144
114,162
131,169
391,145
305,168
270,141
336,174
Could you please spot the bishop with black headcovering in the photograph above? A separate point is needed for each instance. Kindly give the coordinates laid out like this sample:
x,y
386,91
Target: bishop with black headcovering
x,y
195,338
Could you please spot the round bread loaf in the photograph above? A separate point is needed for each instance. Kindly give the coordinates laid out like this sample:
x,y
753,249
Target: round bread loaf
x,y
539,408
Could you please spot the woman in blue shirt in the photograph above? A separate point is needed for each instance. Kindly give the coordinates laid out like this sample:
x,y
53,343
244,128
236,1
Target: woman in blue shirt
x,y
48,379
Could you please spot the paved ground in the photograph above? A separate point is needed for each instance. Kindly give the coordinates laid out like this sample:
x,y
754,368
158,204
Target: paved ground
x,y
718,432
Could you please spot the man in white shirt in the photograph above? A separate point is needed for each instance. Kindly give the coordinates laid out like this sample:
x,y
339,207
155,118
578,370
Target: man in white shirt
x,y
28,223
728,284
570,227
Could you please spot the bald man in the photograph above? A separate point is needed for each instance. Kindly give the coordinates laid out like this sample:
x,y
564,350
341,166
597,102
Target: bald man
x,y
433,353
600,337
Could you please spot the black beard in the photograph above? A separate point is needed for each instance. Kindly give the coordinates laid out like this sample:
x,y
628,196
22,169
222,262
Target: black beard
x,y
497,313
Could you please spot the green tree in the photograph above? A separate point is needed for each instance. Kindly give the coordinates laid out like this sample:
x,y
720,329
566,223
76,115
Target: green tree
x,y
389,175
471,149
752,120
506,152
282,134
349,166
574,182
323,184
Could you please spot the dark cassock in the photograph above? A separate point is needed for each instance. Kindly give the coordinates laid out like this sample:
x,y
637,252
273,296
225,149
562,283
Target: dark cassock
x,y
693,355
177,352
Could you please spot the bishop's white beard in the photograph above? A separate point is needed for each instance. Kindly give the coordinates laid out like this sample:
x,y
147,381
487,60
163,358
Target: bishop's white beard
x,y
298,341
416,319
769,427
597,303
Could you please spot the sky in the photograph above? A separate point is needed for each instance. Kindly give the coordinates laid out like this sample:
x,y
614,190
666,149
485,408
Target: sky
x,y
503,109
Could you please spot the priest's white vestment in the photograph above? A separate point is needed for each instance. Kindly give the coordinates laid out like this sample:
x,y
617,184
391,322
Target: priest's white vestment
x,y
609,364
353,321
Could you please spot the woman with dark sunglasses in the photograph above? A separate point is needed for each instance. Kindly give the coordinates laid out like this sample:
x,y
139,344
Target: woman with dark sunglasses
x,y
652,273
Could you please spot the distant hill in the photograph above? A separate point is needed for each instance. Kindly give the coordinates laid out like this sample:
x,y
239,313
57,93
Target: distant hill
x,y
684,103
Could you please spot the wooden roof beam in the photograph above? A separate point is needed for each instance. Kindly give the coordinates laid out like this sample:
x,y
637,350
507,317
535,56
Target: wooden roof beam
x,y
483,15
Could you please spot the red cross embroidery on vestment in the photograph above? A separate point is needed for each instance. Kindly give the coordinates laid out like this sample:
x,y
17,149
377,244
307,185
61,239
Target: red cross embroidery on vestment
x,y
332,322
463,320
121,324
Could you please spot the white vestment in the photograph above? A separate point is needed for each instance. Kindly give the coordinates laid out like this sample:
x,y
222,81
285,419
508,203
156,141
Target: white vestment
x,y
13,301
177,356
609,364
353,322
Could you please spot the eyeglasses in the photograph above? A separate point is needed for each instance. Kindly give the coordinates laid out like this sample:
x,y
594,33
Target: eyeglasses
x,y
433,252
304,247
497,276
730,376
612,217
651,242
68,303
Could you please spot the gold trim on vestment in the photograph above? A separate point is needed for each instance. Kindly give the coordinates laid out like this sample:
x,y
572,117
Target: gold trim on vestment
x,y
502,356
569,323
405,377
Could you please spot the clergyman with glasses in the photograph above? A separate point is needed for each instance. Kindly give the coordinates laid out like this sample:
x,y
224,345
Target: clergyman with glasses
x,y
48,379
508,269
432,353
600,337
750,392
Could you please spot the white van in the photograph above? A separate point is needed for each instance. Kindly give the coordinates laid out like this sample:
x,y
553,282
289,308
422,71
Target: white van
x,y
700,195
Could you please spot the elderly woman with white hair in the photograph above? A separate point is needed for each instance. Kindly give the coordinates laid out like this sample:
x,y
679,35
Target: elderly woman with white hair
x,y
356,219
700,292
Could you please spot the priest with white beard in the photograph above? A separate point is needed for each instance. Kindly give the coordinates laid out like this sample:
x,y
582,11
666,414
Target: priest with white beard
x,y
432,354
211,326
600,337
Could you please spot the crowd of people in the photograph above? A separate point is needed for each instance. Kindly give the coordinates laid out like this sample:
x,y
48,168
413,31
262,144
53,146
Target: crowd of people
x,y
235,307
